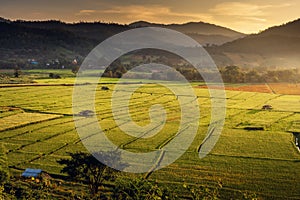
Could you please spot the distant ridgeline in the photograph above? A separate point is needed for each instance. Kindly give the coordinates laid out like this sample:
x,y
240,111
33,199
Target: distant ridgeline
x,y
53,44
58,45
50,44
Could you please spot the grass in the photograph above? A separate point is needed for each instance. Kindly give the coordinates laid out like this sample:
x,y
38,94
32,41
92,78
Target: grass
x,y
39,131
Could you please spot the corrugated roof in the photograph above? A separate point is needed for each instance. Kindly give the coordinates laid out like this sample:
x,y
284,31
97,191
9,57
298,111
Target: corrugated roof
x,y
31,172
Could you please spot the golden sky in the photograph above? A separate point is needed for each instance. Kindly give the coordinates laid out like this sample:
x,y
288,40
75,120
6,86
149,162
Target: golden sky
x,y
249,16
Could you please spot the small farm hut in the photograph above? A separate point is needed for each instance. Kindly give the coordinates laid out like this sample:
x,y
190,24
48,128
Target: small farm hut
x,y
29,173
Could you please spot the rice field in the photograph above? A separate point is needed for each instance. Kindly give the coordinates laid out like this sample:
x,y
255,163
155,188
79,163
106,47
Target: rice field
x,y
37,129
275,88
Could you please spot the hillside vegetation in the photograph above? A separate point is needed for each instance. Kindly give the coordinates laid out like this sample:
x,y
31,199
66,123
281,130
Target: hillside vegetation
x,y
277,46
53,44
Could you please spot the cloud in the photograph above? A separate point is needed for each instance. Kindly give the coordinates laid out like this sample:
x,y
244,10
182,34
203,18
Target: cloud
x,y
85,12
237,9
256,19
248,11
154,13
137,11
243,13
248,17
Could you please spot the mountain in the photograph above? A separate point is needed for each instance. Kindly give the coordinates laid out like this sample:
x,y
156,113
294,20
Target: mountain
x,y
4,20
18,44
204,33
92,30
51,41
277,46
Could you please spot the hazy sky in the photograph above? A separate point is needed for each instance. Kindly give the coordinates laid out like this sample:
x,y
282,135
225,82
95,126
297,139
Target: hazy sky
x,y
246,16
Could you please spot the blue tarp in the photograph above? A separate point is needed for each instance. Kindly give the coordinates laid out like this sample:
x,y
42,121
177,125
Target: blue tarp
x,y
31,172
34,62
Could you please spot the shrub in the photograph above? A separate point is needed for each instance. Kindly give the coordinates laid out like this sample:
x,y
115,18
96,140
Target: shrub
x,y
139,188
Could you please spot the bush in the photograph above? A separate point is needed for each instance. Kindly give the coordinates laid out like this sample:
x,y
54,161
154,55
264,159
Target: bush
x,y
139,189
3,177
55,76
203,192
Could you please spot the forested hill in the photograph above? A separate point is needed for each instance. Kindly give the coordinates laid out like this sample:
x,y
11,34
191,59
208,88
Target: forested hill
x,y
54,44
204,33
277,46
46,42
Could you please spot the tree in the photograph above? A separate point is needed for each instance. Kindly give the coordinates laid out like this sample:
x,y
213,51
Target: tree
x,y
233,74
17,72
85,167
271,76
75,70
253,77
118,74
115,70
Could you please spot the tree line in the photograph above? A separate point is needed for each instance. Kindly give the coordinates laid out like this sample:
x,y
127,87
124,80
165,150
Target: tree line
x,y
234,74
230,74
